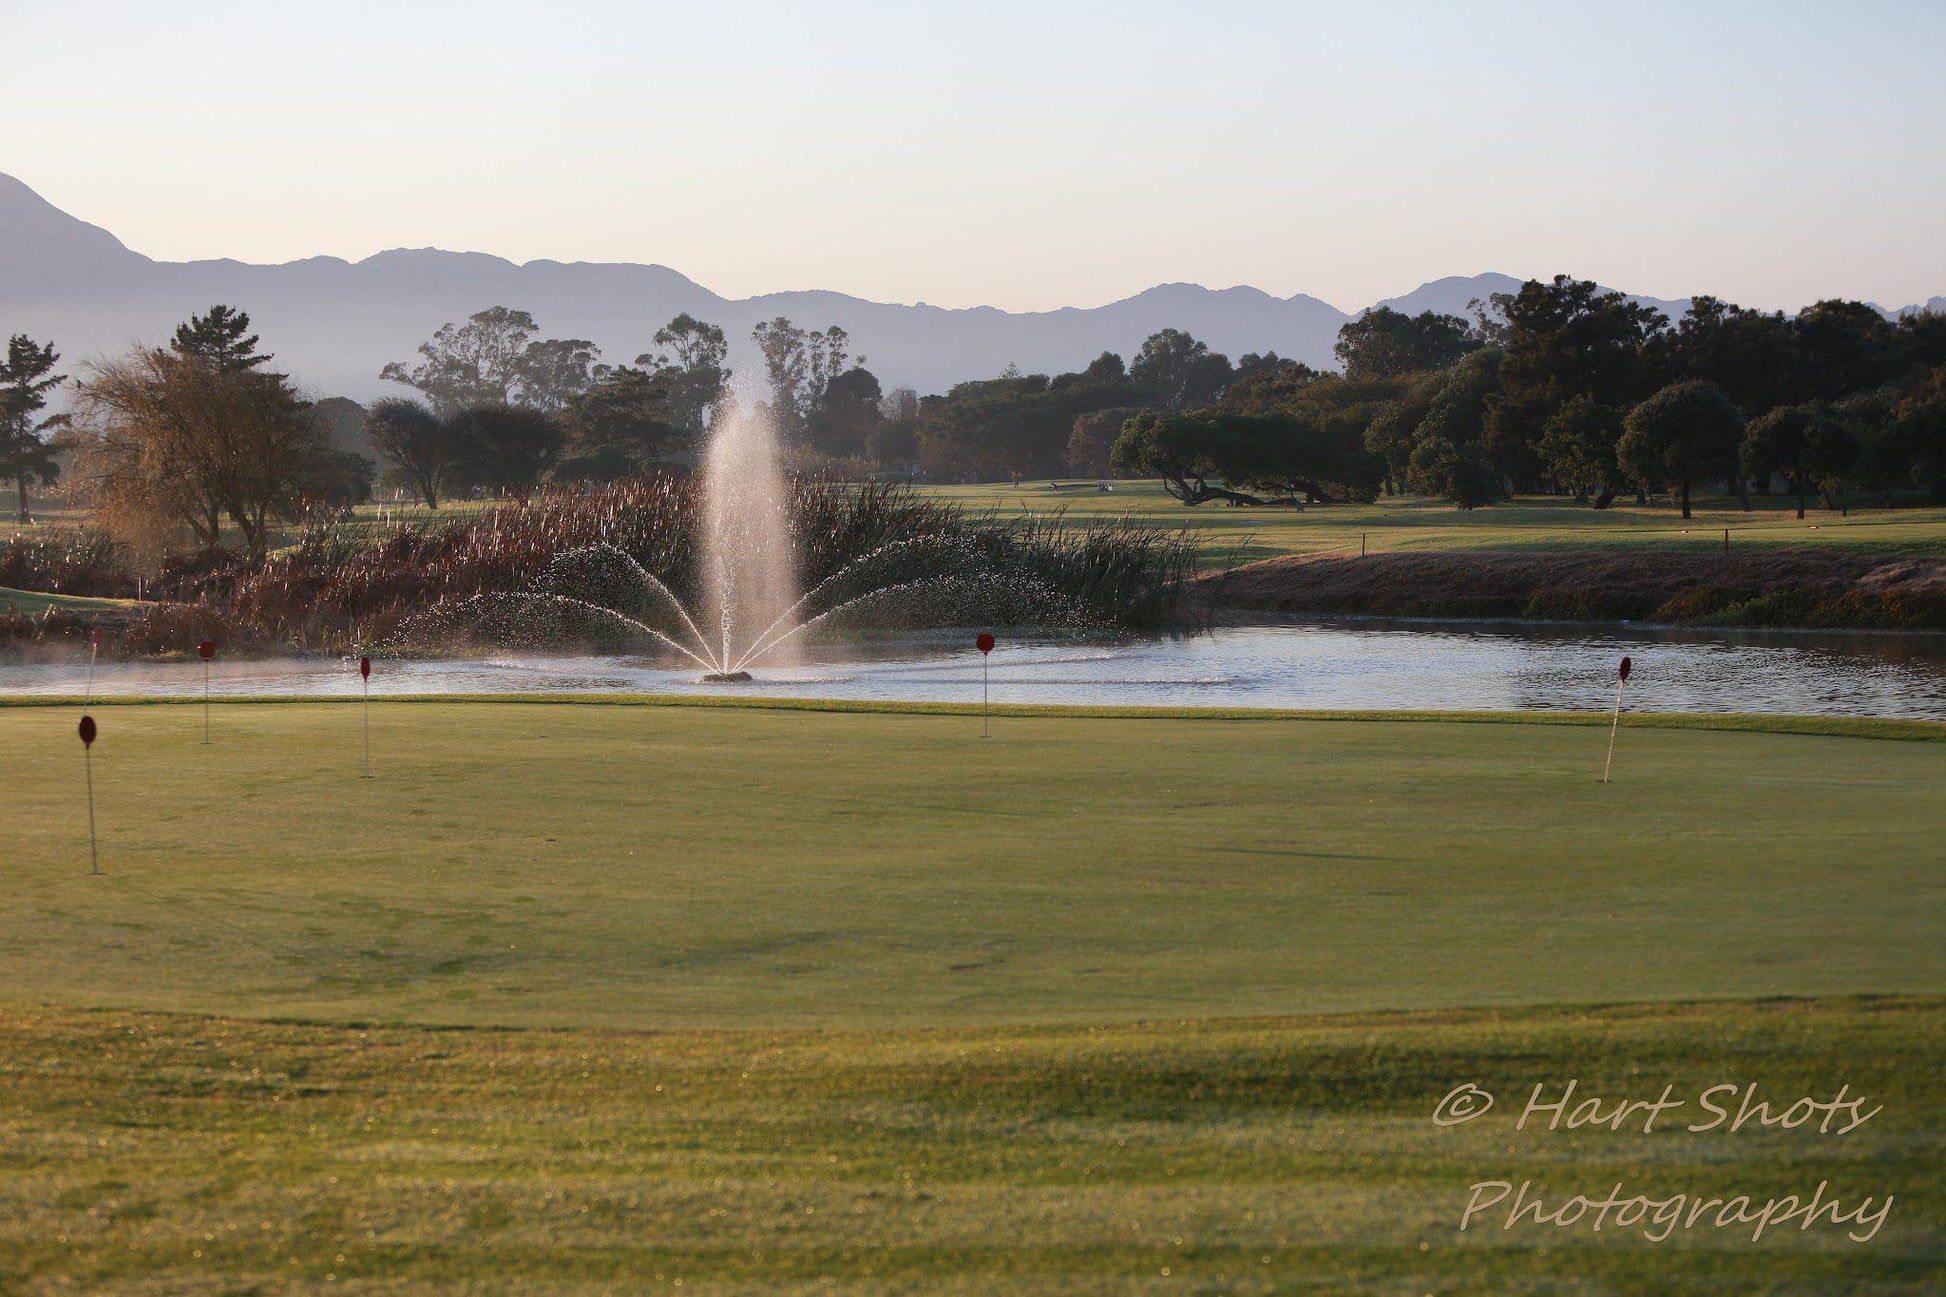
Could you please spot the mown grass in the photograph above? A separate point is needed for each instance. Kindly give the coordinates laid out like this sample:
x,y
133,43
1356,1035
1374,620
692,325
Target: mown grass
x,y
568,864
1231,536
164,1154
32,603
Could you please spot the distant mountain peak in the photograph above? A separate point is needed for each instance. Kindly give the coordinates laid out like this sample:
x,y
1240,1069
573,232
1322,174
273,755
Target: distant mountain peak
x,y
335,323
38,240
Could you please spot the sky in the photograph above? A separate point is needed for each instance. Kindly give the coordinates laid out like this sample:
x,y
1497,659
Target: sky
x,y
1026,156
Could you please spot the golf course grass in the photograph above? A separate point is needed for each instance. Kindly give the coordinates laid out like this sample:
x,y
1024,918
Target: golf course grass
x,y
562,864
1230,536
32,603
582,997
150,1153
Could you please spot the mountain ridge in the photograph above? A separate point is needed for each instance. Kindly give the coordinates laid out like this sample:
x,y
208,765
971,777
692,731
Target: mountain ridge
x,y
334,322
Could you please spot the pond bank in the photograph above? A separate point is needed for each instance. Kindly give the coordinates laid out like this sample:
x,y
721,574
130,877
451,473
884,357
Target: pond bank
x,y
1784,587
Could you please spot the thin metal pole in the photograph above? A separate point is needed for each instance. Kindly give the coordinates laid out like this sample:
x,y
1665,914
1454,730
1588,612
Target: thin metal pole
x,y
983,695
94,852
205,702
89,695
368,730
1617,725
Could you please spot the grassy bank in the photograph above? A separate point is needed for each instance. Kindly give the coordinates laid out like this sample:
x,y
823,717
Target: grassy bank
x,y
654,866
33,603
154,1154
1755,586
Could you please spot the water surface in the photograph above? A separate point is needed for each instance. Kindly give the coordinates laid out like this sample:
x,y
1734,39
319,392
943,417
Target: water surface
x,y
1306,664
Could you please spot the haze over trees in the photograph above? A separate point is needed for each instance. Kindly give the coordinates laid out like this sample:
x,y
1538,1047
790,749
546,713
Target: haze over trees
x,y
497,357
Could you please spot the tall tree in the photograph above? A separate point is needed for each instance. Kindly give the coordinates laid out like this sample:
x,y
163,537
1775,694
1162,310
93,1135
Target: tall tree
x,y
497,357
693,355
222,337
1565,339
508,447
847,413
26,455
641,416
1577,448
1846,347
1384,343
800,365
553,371
179,437
1806,443
475,363
1180,372
410,437
1749,354
1684,435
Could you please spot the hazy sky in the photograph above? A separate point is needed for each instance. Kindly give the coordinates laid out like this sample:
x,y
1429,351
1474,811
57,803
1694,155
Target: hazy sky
x,y
1020,155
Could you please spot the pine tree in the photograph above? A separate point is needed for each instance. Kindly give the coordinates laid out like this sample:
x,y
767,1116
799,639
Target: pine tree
x,y
218,337
26,377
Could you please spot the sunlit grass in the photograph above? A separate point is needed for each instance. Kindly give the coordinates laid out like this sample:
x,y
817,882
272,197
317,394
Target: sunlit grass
x,y
845,997
170,1154
32,603
1234,535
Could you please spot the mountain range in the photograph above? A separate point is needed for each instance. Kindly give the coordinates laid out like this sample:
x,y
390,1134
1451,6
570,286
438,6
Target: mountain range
x,y
334,323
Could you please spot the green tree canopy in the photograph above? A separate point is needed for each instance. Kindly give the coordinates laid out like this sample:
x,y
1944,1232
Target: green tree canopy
x,y
222,337
1683,435
1177,372
1577,447
1384,343
1565,339
412,439
26,447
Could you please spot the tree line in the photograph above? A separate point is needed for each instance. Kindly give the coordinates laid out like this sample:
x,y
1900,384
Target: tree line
x,y
1562,387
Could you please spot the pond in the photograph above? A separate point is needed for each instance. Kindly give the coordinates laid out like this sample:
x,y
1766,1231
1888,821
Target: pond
x,y
1299,664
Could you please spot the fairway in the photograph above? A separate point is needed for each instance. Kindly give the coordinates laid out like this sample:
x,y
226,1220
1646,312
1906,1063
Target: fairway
x,y
592,864
1230,536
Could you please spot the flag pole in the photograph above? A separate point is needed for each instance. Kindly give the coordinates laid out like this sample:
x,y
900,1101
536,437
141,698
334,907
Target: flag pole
x,y
365,678
1616,725
88,730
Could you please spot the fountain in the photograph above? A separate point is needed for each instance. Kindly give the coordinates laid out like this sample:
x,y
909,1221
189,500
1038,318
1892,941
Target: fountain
x,y
751,610
749,562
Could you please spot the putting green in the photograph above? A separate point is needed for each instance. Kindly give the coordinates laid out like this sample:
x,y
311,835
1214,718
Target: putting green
x,y
569,864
